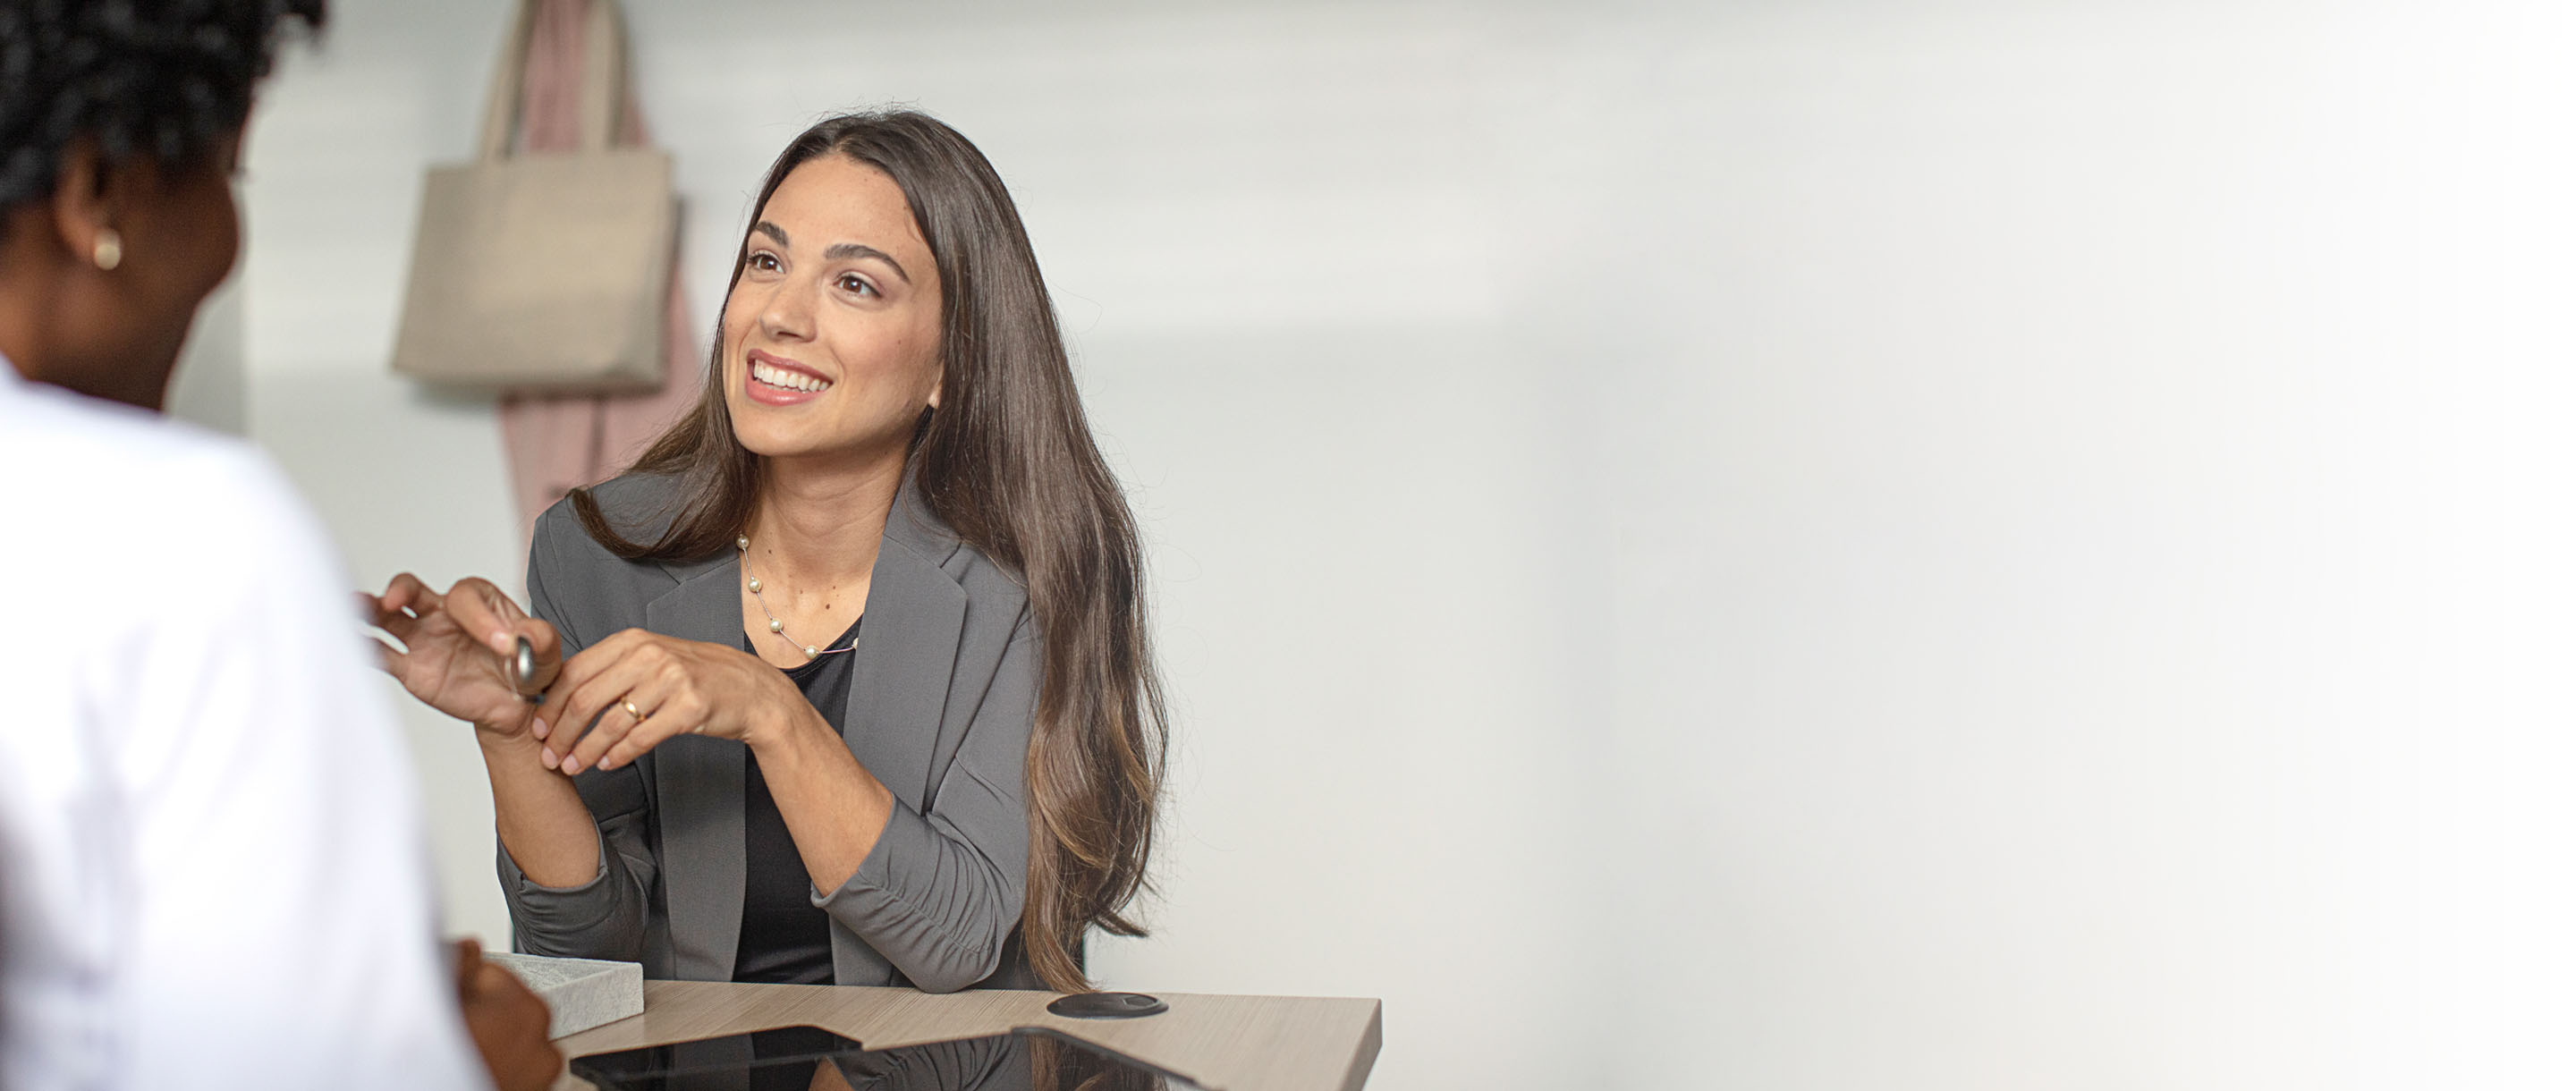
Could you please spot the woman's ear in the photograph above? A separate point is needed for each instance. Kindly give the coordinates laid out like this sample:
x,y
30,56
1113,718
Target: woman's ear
x,y
935,384
84,207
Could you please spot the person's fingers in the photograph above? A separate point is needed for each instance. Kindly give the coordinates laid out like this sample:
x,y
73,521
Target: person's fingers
x,y
500,987
594,680
406,592
469,960
386,613
658,695
581,668
678,715
620,700
485,613
398,591
507,1022
387,659
657,684
569,678
403,626
555,710
528,1061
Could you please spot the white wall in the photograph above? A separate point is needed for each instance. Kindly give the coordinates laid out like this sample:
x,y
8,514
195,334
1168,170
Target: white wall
x,y
1830,545
407,480
211,387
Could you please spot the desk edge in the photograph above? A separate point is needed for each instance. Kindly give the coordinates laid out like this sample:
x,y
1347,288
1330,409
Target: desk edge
x,y
1364,1059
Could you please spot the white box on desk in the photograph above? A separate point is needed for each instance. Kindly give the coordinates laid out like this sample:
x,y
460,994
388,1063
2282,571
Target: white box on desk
x,y
580,993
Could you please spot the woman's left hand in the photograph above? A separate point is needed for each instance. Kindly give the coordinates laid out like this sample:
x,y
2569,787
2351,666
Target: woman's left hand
x,y
674,686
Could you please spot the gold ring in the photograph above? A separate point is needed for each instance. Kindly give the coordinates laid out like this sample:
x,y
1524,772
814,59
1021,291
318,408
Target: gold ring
x,y
634,713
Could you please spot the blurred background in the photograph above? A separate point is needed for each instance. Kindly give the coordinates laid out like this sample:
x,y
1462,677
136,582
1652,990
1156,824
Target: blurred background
x,y
1820,545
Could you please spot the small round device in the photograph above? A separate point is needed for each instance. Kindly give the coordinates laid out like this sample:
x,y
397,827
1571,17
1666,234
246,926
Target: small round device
x,y
1107,1006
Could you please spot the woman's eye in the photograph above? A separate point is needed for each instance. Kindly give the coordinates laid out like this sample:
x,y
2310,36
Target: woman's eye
x,y
851,283
765,262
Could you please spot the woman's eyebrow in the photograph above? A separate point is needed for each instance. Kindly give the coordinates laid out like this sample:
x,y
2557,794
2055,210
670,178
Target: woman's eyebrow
x,y
840,250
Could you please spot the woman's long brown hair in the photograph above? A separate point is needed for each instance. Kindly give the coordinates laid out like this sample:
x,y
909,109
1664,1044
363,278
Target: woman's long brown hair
x,y
1008,463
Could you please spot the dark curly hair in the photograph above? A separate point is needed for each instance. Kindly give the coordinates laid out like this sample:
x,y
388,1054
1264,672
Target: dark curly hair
x,y
165,79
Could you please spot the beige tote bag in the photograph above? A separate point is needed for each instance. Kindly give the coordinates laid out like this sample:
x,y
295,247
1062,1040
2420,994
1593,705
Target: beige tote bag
x,y
544,272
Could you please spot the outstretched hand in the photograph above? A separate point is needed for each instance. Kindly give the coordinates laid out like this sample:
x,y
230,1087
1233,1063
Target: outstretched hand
x,y
456,649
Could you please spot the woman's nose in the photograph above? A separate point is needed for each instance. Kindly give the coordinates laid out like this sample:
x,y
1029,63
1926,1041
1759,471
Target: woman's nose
x,y
786,315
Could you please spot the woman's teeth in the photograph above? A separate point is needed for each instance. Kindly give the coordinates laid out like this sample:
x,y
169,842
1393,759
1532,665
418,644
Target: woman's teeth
x,y
786,380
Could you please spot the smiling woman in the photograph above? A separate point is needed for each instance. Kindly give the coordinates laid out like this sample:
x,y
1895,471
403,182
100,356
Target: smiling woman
x,y
833,314
955,788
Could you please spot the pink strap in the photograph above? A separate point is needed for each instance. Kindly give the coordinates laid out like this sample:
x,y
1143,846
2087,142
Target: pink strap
x,y
558,442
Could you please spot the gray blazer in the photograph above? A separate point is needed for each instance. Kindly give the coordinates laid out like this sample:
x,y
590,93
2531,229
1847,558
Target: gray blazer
x,y
941,705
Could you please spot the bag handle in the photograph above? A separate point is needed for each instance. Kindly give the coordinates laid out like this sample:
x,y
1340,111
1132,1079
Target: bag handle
x,y
603,79
603,76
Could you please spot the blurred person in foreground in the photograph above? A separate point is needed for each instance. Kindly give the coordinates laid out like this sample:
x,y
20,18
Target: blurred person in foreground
x,y
212,866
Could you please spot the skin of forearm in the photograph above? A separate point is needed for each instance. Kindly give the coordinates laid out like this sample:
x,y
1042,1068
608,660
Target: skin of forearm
x,y
543,824
835,809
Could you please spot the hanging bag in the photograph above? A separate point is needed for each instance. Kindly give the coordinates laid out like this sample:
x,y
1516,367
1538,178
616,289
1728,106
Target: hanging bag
x,y
544,272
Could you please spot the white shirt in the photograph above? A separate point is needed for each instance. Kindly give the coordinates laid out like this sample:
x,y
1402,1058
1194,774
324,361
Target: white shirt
x,y
213,871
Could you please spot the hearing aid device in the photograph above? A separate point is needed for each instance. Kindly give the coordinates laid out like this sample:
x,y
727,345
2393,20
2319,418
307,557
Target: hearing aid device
x,y
523,672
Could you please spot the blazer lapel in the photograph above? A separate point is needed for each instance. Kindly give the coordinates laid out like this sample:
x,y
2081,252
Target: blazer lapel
x,y
906,652
699,789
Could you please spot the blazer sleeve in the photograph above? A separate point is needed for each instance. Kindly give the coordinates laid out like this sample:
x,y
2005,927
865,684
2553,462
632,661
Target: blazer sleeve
x,y
605,917
940,893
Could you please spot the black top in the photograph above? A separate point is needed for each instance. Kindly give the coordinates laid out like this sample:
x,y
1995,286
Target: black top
x,y
786,938
944,884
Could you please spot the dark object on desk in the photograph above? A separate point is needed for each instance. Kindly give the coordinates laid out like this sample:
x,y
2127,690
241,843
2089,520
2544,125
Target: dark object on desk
x,y
1107,1006
796,1059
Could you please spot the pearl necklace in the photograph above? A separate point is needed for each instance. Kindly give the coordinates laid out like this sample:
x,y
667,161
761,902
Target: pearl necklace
x,y
742,545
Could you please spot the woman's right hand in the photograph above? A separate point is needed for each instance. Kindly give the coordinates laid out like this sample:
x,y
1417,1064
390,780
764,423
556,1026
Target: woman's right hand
x,y
457,648
507,1023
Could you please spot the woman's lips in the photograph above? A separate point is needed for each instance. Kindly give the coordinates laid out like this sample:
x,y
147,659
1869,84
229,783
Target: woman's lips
x,y
772,380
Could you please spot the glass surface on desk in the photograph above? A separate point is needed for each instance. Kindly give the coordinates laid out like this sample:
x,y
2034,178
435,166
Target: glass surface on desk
x,y
812,1059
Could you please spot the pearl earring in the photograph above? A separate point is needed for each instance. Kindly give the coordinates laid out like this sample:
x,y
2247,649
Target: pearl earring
x,y
109,251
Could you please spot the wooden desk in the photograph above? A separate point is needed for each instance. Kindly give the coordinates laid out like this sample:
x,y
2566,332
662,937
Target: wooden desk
x,y
1229,1043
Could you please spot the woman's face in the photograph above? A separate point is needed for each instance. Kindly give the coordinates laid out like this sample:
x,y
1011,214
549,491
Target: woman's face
x,y
831,335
